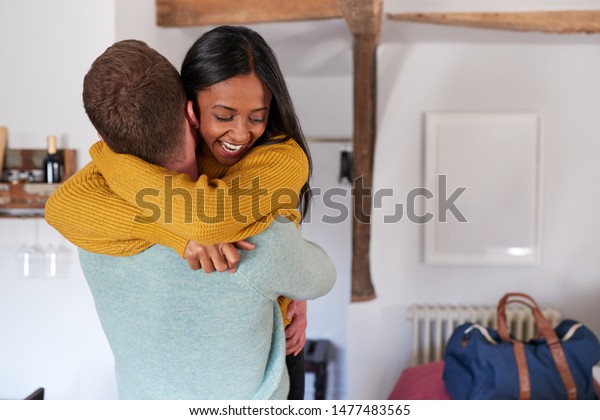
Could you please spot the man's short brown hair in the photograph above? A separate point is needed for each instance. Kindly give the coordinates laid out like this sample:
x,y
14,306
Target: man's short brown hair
x,y
135,99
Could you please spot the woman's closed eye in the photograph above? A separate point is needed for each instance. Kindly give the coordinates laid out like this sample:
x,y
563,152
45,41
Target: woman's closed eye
x,y
224,118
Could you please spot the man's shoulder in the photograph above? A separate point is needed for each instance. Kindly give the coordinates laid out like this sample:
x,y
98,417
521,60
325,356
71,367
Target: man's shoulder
x,y
281,230
156,257
273,246
150,252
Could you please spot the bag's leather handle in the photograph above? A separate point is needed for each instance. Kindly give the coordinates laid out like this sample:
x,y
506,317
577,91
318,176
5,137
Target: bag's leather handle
x,y
522,371
546,330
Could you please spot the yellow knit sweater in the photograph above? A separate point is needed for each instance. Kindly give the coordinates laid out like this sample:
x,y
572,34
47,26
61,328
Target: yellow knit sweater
x,y
120,205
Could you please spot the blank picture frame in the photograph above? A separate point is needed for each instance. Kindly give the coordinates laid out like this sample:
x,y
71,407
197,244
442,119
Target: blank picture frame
x,y
484,170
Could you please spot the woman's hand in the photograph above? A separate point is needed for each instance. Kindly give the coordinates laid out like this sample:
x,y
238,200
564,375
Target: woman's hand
x,y
295,333
220,257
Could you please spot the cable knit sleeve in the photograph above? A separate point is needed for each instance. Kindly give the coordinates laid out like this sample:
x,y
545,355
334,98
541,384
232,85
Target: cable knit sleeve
x,y
86,212
287,265
263,185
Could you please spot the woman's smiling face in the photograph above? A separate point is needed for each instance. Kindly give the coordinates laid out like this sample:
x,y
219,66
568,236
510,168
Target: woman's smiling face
x,y
233,115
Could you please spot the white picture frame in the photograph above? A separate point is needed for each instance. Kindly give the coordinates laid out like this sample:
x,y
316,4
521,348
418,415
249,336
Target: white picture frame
x,y
496,157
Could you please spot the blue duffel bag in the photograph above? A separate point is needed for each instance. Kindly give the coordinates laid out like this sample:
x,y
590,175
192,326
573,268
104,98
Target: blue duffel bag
x,y
484,364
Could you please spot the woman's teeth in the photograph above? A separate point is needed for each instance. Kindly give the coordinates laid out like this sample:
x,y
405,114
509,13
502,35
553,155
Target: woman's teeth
x,y
231,147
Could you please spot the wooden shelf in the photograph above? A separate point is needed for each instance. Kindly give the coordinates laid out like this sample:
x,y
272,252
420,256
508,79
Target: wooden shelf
x,y
29,199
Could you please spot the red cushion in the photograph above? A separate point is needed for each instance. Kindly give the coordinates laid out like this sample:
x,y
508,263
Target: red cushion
x,y
423,382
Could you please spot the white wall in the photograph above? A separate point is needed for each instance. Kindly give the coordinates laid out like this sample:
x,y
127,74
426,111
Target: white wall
x,y
47,47
50,333
430,68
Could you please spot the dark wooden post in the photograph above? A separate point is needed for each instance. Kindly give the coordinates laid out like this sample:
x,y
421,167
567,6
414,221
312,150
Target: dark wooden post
x,y
364,21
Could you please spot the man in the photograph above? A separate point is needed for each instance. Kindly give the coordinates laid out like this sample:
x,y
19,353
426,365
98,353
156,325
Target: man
x,y
174,332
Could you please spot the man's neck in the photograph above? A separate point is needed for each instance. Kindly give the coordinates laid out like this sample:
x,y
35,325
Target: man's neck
x,y
185,165
185,162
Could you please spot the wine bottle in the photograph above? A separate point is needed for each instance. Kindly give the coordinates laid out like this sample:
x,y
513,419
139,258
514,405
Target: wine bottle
x,y
53,165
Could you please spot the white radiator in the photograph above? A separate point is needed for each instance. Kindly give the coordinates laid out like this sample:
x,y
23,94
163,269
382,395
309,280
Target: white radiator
x,y
433,325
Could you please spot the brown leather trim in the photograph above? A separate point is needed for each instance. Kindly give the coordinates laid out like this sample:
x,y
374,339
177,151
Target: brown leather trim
x,y
562,365
546,330
522,371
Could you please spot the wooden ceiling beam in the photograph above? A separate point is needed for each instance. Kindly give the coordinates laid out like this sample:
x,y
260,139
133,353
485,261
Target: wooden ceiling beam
x,y
364,20
556,22
220,12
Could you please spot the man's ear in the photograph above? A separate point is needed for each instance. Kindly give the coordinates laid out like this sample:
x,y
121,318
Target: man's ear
x,y
191,115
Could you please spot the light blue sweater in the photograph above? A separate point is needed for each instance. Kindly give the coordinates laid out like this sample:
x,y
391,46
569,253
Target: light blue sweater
x,y
182,334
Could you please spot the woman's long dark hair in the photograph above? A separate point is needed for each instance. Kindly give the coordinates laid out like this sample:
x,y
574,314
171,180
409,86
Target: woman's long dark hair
x,y
229,51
